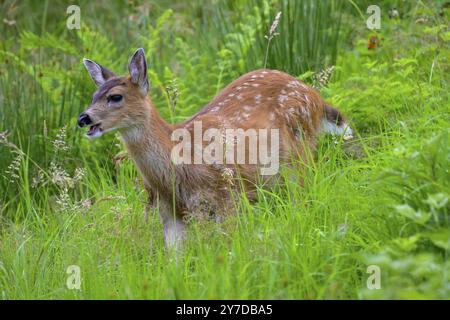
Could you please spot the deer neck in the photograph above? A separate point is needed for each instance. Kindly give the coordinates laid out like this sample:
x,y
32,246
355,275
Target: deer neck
x,y
150,146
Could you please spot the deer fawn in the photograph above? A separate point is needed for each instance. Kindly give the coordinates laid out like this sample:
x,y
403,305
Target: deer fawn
x,y
257,102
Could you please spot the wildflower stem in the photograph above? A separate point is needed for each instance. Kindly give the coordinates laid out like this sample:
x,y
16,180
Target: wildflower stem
x,y
267,53
270,36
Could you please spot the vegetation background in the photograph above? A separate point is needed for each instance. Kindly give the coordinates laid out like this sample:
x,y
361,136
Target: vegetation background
x,y
381,199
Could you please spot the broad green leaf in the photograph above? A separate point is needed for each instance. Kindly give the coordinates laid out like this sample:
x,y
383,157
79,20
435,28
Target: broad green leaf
x,y
440,238
417,216
437,201
407,244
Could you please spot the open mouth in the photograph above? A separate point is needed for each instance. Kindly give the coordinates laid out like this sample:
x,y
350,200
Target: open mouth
x,y
95,131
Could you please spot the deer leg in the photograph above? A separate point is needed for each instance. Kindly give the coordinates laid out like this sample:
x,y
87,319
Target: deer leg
x,y
150,202
174,233
174,229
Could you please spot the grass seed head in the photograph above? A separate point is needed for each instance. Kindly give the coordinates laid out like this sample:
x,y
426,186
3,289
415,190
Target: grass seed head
x,y
274,26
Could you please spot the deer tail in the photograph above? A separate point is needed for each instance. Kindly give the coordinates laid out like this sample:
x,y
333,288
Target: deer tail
x,y
334,123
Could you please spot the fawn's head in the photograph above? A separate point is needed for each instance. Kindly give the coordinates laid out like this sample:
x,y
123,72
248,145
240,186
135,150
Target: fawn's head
x,y
119,102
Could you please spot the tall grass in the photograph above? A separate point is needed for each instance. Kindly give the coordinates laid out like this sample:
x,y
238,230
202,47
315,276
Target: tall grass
x,y
44,85
309,33
380,199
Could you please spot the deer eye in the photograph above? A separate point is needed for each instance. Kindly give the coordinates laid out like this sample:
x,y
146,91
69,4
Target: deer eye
x,y
115,98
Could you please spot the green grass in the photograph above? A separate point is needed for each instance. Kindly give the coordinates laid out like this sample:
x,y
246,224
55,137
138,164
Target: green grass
x,y
381,199
282,247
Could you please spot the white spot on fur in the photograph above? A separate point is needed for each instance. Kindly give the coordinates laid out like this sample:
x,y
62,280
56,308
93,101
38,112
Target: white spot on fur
x,y
302,110
236,119
306,98
282,98
293,84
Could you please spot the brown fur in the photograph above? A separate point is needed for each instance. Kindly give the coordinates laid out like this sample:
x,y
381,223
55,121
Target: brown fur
x,y
266,99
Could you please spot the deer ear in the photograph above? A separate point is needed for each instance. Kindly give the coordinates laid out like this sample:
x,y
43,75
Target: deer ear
x,y
138,69
98,73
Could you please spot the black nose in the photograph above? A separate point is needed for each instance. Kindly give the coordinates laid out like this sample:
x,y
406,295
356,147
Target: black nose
x,y
84,120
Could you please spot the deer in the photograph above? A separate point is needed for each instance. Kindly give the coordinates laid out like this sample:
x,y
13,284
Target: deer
x,y
259,101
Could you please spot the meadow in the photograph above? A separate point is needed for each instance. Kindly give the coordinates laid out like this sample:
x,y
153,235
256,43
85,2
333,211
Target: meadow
x,y
380,199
